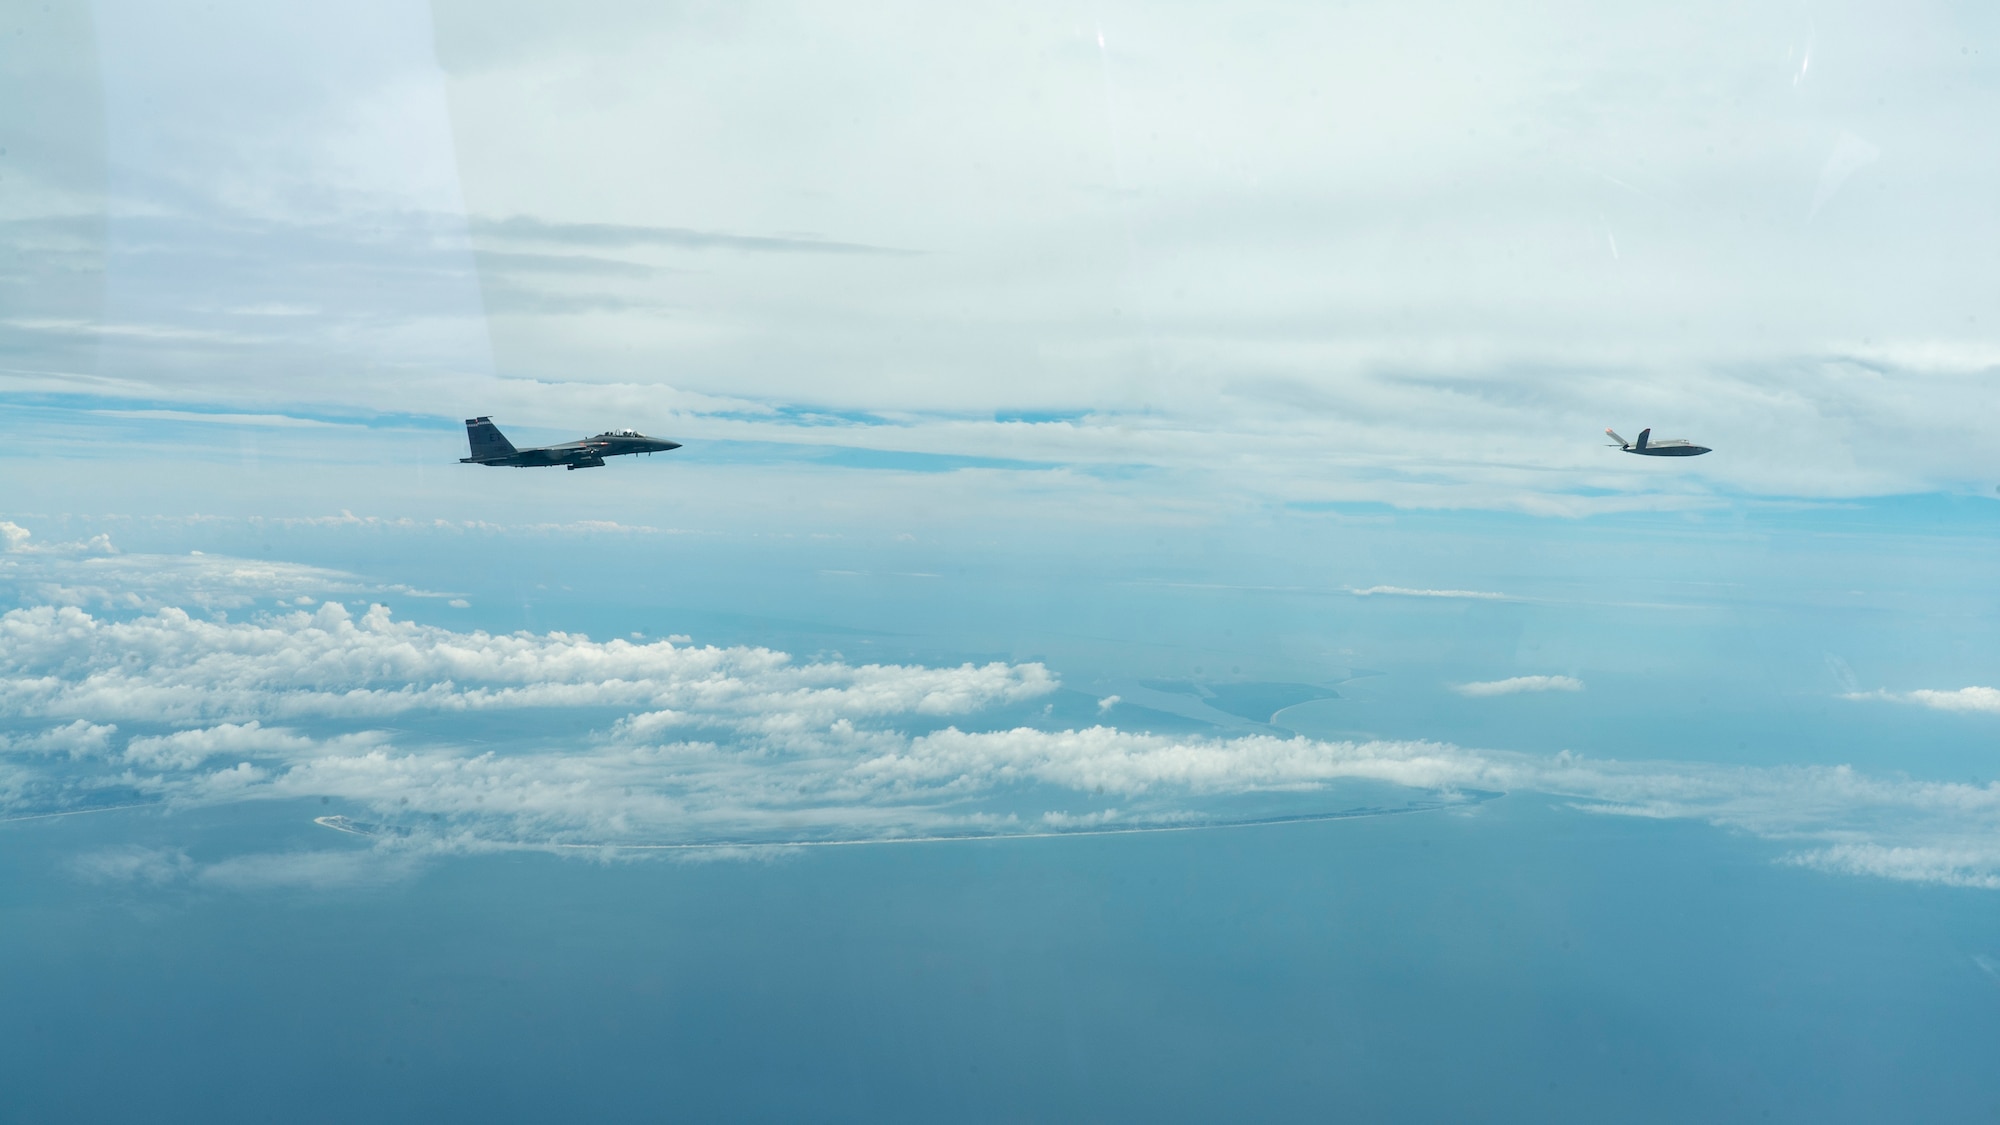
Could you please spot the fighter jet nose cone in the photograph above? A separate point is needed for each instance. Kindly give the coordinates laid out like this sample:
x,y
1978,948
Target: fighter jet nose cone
x,y
670,444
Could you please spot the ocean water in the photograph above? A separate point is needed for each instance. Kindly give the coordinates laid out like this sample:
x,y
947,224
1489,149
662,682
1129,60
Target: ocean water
x,y
1520,961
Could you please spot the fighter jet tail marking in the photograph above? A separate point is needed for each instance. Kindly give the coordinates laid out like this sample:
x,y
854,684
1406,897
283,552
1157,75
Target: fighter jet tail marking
x,y
488,443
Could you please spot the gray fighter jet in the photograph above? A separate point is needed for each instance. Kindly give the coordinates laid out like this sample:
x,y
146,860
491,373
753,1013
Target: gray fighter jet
x,y
491,447
1646,446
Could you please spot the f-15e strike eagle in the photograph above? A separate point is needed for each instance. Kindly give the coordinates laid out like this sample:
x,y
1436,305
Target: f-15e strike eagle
x,y
491,447
1647,447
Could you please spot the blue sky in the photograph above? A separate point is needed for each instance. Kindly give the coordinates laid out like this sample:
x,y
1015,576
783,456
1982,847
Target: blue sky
x,y
1120,419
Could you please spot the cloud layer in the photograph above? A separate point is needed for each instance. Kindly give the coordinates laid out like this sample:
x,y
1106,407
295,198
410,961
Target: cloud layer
x,y
1516,684
1065,247
555,740
332,664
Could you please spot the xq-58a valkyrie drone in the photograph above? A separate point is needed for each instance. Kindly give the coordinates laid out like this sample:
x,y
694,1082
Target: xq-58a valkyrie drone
x,y
1647,447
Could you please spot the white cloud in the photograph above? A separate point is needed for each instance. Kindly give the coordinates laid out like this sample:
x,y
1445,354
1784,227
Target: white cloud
x,y
12,536
94,572
649,744
78,739
1407,592
636,786
186,749
1517,684
1968,865
1962,699
169,666
1104,758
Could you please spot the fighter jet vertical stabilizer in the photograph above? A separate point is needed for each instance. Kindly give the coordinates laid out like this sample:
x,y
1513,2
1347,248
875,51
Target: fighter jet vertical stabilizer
x,y
486,440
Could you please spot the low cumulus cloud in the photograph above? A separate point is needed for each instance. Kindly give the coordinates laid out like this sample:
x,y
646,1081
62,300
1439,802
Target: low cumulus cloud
x,y
79,739
188,749
1516,684
333,663
1963,699
1963,864
94,572
1409,592
616,747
